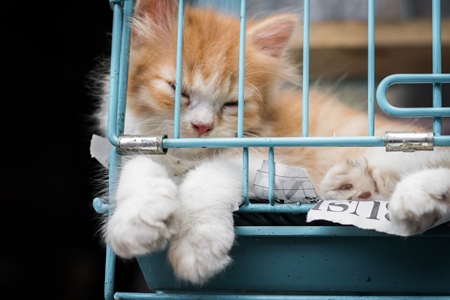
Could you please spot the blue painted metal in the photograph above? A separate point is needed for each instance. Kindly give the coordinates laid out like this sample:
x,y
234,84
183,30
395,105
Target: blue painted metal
x,y
179,70
326,231
437,62
371,68
122,10
319,260
352,141
241,96
411,79
110,263
234,296
123,69
241,88
110,267
271,176
100,205
245,161
364,141
305,74
117,99
114,71
275,208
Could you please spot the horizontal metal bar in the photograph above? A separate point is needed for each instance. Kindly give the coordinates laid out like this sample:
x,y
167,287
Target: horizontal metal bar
x,y
276,208
328,231
411,79
362,141
190,295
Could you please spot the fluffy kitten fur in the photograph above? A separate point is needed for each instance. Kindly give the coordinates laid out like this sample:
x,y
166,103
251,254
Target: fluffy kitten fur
x,y
185,199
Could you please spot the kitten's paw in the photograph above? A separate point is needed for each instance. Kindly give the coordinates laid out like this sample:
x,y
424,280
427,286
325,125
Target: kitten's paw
x,y
419,200
144,218
134,230
349,180
208,194
202,252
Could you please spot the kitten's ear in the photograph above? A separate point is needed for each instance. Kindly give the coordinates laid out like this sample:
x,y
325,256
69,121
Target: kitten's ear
x,y
273,34
162,12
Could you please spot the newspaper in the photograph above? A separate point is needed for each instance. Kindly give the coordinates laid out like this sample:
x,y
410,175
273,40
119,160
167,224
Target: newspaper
x,y
363,214
292,184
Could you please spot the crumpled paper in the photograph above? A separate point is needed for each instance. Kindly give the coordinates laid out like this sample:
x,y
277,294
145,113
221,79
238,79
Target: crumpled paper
x,y
100,148
291,184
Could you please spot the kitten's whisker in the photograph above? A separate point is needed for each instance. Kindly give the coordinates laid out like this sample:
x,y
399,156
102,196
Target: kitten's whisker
x,y
253,88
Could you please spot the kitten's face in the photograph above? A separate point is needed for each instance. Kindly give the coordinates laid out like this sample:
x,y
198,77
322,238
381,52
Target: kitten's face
x,y
209,87
209,102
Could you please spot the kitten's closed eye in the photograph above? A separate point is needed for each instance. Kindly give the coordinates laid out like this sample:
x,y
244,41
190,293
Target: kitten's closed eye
x,y
183,93
231,104
230,108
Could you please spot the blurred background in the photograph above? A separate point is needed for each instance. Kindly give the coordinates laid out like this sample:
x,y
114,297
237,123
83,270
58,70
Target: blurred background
x,y
50,244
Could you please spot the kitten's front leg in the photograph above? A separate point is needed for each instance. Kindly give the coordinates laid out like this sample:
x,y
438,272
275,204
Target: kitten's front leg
x,y
356,179
419,200
208,195
146,201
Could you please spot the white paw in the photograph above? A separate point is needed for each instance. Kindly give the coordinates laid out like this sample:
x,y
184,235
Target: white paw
x,y
202,252
136,230
420,200
144,218
350,180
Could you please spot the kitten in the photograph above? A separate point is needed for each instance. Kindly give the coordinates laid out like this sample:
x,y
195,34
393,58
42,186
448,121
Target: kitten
x,y
185,199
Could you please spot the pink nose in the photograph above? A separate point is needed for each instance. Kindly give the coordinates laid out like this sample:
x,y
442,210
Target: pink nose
x,y
202,128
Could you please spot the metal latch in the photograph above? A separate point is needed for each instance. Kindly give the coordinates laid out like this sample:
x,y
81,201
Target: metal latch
x,y
409,141
141,144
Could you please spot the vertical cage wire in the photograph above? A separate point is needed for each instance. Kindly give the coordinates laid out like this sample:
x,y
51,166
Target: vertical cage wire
x,y
271,176
241,98
179,70
437,62
114,72
110,262
121,34
124,62
241,88
371,67
305,73
122,13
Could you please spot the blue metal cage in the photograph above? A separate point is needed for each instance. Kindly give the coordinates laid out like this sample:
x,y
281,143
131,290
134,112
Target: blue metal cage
x,y
295,262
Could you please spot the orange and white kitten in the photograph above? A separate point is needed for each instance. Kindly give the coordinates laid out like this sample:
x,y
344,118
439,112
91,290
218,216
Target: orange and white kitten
x,y
185,199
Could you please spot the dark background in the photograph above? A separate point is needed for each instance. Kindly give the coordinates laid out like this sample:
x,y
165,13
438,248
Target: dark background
x,y
50,248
